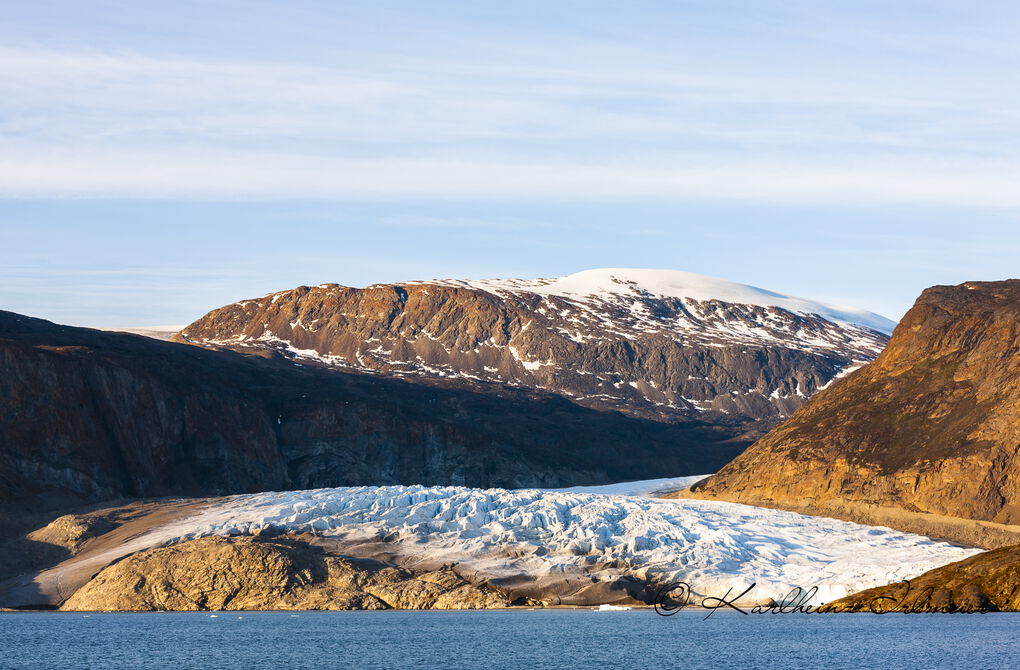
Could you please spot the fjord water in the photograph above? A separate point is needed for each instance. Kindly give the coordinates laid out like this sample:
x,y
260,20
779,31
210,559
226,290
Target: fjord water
x,y
506,639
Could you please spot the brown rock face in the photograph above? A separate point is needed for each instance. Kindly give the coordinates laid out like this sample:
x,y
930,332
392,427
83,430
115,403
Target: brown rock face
x,y
71,531
87,416
253,573
931,428
626,349
986,582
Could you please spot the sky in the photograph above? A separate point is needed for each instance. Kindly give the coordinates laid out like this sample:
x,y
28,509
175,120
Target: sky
x,y
158,160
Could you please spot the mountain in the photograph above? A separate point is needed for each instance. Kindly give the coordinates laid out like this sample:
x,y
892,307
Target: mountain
x,y
926,438
88,415
657,344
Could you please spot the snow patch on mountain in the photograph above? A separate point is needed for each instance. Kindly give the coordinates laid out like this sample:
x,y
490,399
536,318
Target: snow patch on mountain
x,y
609,282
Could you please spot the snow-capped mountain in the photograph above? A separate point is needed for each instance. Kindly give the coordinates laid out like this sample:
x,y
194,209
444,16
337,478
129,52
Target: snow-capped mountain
x,y
658,344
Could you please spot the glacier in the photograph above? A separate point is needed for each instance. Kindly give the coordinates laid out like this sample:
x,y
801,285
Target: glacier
x,y
548,535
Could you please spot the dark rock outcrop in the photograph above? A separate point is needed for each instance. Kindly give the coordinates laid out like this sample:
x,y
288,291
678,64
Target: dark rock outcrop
x,y
925,436
87,415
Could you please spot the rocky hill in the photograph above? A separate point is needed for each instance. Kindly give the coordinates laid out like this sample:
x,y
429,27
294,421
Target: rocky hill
x,y
926,438
664,345
255,573
87,415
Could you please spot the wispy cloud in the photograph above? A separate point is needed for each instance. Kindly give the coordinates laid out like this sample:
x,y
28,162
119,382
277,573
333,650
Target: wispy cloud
x,y
161,159
90,124
234,174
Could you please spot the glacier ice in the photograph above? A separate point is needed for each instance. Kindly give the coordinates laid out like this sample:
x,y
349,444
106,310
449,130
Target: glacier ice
x,y
494,533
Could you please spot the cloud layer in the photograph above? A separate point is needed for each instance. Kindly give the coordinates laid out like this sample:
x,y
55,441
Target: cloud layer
x,y
87,123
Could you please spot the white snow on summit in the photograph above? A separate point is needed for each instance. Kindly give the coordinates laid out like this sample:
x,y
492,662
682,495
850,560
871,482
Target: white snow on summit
x,y
155,332
674,284
495,533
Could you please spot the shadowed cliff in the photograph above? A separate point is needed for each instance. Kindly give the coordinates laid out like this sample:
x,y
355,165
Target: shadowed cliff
x,y
87,415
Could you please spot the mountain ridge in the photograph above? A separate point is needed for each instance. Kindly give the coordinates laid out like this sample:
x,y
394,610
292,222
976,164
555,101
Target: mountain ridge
x,y
599,338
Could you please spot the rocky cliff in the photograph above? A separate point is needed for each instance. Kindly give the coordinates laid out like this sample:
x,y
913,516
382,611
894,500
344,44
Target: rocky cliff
x,y
925,436
652,344
986,582
87,415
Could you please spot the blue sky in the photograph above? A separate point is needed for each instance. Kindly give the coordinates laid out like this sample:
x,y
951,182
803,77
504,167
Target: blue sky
x,y
158,160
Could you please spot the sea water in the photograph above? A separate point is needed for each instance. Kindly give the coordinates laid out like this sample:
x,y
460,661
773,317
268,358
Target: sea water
x,y
507,639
